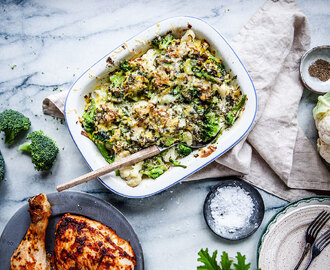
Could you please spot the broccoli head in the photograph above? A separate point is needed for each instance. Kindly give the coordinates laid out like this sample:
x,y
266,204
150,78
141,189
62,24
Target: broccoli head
x,y
42,149
88,118
126,66
2,167
211,126
183,150
233,114
162,42
154,167
12,123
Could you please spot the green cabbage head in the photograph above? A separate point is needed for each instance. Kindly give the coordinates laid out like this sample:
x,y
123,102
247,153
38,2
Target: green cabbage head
x,y
322,107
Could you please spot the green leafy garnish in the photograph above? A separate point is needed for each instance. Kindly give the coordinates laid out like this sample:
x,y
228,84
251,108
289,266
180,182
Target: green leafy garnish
x,y
241,265
225,261
210,263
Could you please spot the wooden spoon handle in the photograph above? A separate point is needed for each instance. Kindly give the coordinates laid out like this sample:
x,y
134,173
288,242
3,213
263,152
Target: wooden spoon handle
x,y
124,162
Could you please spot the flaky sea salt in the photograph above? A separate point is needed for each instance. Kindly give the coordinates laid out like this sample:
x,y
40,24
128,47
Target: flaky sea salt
x,y
231,209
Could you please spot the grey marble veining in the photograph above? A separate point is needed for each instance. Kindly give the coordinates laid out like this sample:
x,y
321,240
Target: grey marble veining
x,y
45,45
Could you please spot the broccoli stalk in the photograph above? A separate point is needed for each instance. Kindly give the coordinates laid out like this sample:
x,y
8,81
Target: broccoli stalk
x,y
43,150
109,157
2,167
233,114
177,163
200,73
12,123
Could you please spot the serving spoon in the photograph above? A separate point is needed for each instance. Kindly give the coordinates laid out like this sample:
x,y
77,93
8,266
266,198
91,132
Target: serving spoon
x,y
127,161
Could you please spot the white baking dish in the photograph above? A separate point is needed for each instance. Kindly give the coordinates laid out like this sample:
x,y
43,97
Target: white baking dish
x,y
74,106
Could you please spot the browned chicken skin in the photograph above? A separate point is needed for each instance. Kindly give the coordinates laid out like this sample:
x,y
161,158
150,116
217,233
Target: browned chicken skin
x,y
81,243
31,252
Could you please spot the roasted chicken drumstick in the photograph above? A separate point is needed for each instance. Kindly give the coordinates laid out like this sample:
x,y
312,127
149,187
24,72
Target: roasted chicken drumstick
x,y
31,252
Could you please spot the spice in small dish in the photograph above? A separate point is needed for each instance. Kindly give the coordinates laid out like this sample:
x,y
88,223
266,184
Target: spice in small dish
x,y
231,209
320,69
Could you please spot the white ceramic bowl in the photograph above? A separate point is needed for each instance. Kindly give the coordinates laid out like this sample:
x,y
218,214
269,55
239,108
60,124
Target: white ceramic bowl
x,y
74,106
312,83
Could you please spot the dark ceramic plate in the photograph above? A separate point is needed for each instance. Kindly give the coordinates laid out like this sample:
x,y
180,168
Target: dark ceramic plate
x,y
255,219
68,202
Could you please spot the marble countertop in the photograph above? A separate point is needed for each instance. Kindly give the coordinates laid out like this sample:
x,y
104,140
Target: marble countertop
x,y
44,46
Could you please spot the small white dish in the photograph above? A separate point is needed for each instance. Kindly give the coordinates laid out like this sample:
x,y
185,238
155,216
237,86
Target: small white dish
x,y
75,104
254,220
283,240
312,83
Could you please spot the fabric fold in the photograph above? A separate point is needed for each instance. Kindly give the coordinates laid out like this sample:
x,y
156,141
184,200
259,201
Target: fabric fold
x,y
54,105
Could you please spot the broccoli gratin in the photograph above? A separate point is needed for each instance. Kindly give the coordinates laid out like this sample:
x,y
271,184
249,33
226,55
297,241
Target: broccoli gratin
x,y
177,91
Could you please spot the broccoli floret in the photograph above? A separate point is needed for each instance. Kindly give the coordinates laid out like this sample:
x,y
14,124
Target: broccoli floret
x,y
154,167
162,42
210,131
190,93
12,123
101,140
183,150
169,141
166,41
117,79
42,149
210,126
109,156
2,167
88,117
126,66
221,67
233,114
155,42
154,173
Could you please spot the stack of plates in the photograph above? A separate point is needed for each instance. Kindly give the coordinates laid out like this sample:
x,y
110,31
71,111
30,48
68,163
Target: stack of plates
x,y
283,241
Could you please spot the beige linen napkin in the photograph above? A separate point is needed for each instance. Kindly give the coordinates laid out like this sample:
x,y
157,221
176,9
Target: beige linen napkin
x,y
276,156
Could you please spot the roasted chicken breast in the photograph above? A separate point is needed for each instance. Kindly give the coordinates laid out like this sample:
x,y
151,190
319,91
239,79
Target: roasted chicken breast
x,y
31,252
81,243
